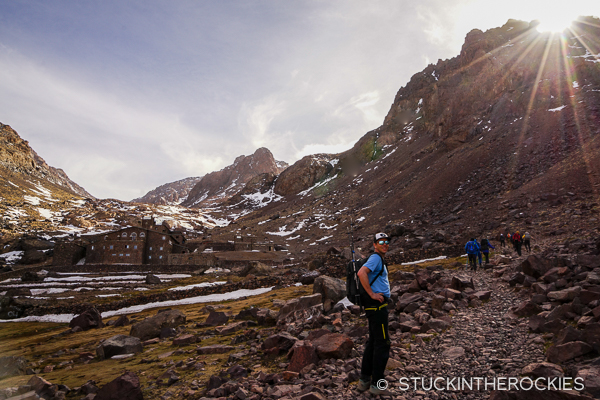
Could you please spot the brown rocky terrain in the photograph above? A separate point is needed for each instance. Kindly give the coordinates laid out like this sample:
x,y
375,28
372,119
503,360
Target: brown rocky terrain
x,y
169,193
219,186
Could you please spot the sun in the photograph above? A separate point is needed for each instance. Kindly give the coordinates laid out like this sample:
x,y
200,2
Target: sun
x,y
555,21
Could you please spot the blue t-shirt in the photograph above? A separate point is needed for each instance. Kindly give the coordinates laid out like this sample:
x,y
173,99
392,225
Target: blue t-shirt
x,y
381,284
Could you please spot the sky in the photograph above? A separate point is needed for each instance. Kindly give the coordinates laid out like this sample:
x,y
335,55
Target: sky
x,y
127,95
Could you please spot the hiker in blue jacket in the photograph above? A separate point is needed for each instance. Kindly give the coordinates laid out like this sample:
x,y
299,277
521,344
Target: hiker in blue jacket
x,y
485,249
472,249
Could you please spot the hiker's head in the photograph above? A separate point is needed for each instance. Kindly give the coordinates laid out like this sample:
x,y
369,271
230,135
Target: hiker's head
x,y
381,242
472,239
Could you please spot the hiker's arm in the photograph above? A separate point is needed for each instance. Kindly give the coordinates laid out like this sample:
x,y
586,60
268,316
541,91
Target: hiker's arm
x,y
363,275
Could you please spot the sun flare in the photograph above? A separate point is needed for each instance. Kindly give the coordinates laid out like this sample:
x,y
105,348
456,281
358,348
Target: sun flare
x,y
555,21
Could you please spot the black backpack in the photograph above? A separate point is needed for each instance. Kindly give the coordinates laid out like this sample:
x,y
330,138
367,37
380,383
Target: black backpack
x,y
484,244
354,289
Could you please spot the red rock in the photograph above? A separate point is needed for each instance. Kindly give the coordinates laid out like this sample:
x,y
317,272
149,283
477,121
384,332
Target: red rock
x,y
184,340
333,345
214,349
303,353
567,351
125,387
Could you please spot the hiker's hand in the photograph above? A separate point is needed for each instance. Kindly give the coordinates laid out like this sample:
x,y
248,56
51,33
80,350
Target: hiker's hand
x,y
378,297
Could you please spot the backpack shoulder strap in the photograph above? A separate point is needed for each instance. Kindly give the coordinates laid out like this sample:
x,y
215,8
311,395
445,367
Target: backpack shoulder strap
x,y
380,272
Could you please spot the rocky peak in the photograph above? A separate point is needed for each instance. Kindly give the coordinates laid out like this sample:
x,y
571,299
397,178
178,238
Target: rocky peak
x,y
221,185
18,157
170,193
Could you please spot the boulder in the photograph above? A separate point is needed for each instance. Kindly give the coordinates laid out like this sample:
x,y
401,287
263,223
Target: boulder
x,y
406,299
119,344
534,266
565,295
152,279
89,319
543,369
309,278
12,365
567,351
591,380
125,387
256,268
330,288
33,256
184,340
279,343
216,318
151,327
30,276
214,349
453,353
121,321
333,345
526,309
481,295
42,387
298,304
301,354
462,282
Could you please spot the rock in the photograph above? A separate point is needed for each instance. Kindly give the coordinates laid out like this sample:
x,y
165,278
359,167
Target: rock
x,y
302,354
12,365
543,369
18,291
278,343
150,327
214,349
330,288
301,303
231,328
591,333
567,351
534,266
89,319
482,295
152,279
184,340
591,380
526,309
30,276
216,318
309,278
121,321
462,282
237,372
453,353
31,395
33,256
438,325
333,345
406,299
119,344
569,334
256,268
565,295
167,378
125,387
42,387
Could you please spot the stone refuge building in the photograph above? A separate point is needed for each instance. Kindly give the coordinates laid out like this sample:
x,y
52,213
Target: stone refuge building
x,y
150,243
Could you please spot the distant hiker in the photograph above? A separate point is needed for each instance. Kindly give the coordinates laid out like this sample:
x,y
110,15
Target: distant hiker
x,y
527,241
502,238
377,349
509,236
485,249
472,249
517,242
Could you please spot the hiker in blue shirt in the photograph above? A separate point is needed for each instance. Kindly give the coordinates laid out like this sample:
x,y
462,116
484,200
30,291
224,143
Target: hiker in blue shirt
x,y
472,249
373,276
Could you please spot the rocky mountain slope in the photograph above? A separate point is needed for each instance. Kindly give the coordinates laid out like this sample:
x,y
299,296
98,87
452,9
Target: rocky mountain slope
x,y
219,186
501,137
17,157
170,193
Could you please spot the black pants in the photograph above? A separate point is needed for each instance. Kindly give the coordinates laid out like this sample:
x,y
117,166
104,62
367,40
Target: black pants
x,y
377,349
527,244
486,256
473,261
518,247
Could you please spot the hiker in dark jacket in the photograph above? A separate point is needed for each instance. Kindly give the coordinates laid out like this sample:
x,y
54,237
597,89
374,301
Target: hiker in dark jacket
x,y
485,249
502,240
527,241
472,249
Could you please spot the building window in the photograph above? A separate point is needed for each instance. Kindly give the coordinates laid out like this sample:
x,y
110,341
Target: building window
x,y
160,257
110,247
114,255
126,255
106,237
164,237
124,234
142,234
149,257
133,236
150,248
161,249
126,246
121,255
135,247
92,247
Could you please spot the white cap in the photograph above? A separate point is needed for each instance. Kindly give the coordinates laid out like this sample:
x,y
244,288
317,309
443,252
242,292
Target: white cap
x,y
381,235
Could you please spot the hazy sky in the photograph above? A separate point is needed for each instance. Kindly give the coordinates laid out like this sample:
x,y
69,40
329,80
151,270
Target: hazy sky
x,y
128,95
